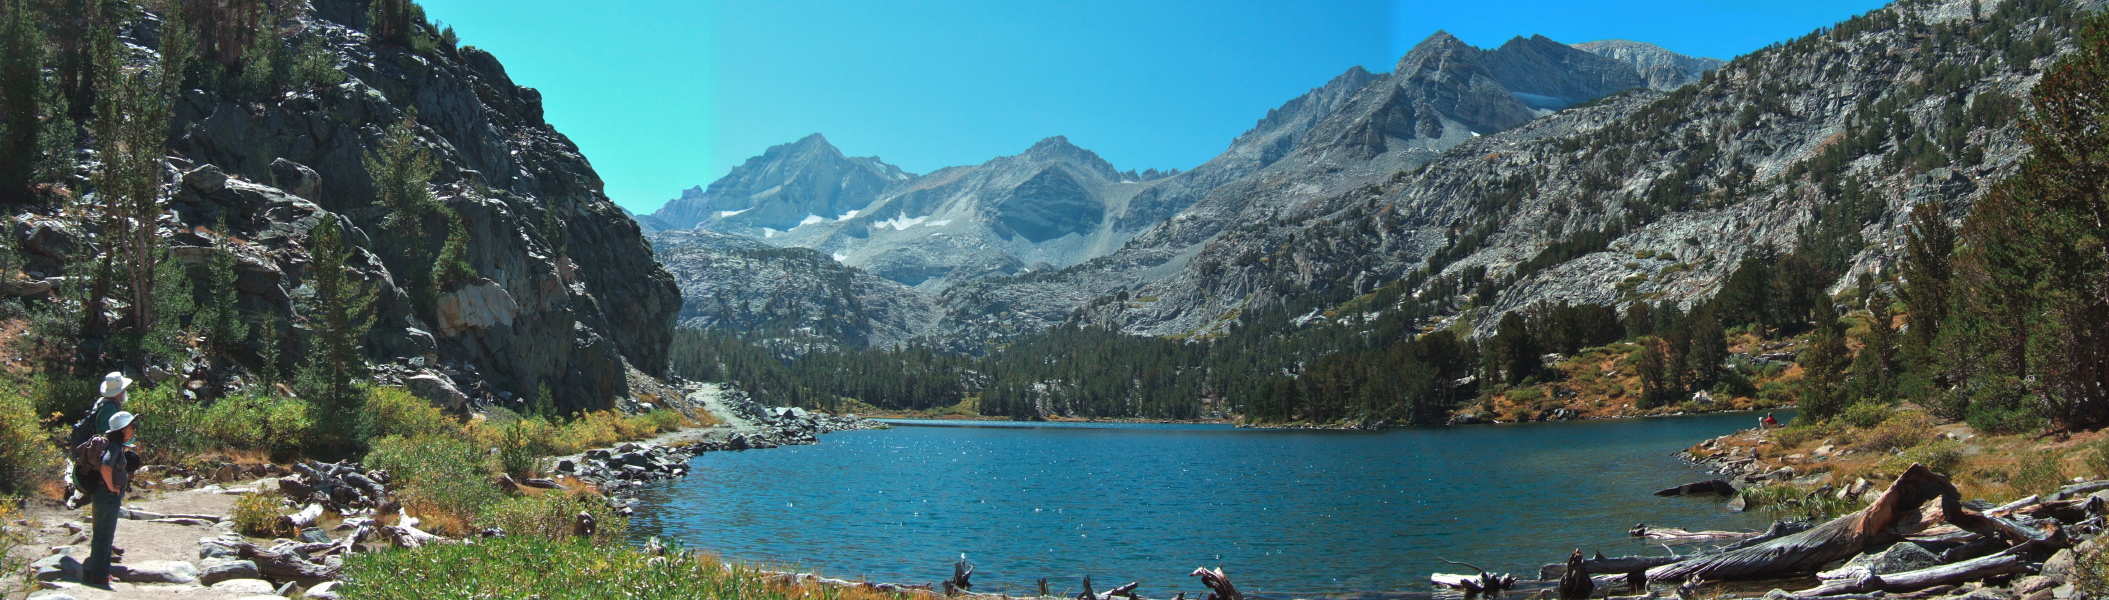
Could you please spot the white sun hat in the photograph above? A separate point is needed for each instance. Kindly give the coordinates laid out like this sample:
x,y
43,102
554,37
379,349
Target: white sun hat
x,y
120,420
114,384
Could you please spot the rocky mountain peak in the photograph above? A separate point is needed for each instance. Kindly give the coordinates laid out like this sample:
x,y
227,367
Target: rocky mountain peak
x,y
1546,74
1438,53
1663,69
1059,149
785,186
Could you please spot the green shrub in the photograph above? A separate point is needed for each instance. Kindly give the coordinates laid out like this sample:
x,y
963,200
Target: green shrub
x,y
171,428
2092,574
255,421
1800,431
2003,417
66,397
28,455
2037,473
394,411
1943,456
445,479
2097,458
1784,501
1896,433
257,515
554,515
1865,414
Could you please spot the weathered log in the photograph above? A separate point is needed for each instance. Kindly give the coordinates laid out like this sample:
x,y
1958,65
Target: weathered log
x,y
1575,584
1218,584
1673,534
406,536
1898,512
962,572
1716,486
1474,585
1862,580
284,565
305,518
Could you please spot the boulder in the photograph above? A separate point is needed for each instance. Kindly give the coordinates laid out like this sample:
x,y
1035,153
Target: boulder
x,y
155,571
227,570
437,389
251,586
295,178
327,590
481,305
56,567
208,179
2061,566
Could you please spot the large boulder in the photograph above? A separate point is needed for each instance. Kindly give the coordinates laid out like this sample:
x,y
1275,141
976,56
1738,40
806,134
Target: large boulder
x,y
438,389
155,571
218,571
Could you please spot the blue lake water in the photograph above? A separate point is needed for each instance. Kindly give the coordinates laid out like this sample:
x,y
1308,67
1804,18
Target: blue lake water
x,y
1285,513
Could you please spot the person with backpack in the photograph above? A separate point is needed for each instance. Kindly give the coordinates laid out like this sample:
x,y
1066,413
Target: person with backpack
x,y
110,468
114,391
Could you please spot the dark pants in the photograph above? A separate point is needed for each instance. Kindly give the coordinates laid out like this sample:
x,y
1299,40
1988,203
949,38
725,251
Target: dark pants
x,y
97,569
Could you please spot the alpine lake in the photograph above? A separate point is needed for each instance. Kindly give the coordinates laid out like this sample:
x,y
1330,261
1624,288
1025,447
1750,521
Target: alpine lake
x,y
1286,513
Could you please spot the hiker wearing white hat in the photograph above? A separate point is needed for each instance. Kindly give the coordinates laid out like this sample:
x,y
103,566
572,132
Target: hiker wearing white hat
x,y
115,388
112,467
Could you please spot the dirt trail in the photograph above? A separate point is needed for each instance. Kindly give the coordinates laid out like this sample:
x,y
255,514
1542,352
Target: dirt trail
x,y
57,530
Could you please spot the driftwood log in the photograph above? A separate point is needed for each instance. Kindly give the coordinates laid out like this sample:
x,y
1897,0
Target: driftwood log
x,y
1716,487
1473,585
406,536
1859,580
284,565
962,573
1125,591
1575,584
1679,536
1918,500
1218,584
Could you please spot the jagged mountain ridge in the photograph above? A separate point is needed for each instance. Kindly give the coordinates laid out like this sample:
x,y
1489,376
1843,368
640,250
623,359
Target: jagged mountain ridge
x,y
783,187
1664,70
1714,176
1357,129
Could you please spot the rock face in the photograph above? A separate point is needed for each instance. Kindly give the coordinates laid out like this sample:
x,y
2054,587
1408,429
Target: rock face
x,y
1664,70
736,283
782,188
569,293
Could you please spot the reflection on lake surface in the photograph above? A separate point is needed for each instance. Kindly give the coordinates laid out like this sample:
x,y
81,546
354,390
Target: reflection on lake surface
x,y
1286,513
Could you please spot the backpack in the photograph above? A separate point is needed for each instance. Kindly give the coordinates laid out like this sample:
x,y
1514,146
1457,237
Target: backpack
x,y
86,476
86,427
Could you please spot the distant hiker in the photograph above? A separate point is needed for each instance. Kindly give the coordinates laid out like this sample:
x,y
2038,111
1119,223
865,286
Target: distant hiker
x,y
1768,422
110,468
115,389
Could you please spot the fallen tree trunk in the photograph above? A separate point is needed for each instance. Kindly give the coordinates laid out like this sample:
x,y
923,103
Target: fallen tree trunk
x,y
1717,487
1673,534
1900,511
1861,580
1473,585
1219,586
1575,584
305,518
284,565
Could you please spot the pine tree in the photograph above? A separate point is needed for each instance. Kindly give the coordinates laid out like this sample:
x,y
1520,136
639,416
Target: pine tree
x,y
1823,366
1709,349
1929,246
2031,262
1875,369
453,265
225,330
21,99
336,321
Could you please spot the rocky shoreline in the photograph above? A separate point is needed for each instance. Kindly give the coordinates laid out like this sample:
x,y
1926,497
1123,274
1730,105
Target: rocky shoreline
x,y
627,468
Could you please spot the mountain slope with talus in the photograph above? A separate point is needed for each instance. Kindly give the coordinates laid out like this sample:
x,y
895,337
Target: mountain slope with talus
x,y
783,187
1825,139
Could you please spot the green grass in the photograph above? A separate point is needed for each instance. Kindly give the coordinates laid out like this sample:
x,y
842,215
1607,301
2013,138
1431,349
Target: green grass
x,y
525,567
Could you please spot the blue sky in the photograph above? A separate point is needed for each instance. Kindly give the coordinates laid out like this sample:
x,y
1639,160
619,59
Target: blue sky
x,y
663,95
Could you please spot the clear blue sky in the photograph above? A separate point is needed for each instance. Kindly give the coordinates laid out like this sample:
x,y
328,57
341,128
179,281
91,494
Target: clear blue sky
x,y
663,95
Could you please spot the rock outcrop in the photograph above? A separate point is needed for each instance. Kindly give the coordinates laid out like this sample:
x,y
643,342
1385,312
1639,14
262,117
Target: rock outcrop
x,y
569,291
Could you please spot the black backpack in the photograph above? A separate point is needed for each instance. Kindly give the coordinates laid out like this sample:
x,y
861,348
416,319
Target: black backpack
x,y
86,427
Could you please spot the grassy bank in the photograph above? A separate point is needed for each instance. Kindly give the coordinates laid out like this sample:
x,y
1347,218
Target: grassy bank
x,y
531,567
